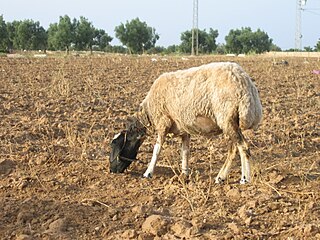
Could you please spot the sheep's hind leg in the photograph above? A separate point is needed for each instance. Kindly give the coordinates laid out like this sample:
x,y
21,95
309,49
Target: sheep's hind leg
x,y
185,153
156,151
245,164
224,171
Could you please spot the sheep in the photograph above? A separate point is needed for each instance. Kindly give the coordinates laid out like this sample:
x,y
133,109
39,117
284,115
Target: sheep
x,y
207,100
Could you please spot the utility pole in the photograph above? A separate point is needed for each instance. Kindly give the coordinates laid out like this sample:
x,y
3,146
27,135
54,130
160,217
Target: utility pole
x,y
298,35
195,30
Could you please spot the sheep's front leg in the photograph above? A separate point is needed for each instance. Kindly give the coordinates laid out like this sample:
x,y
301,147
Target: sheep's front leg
x,y
185,153
156,151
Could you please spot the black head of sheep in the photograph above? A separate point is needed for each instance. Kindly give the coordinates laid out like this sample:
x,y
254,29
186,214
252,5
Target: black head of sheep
x,y
125,145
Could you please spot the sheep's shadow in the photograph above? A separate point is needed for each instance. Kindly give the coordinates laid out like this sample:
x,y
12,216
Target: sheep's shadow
x,y
160,171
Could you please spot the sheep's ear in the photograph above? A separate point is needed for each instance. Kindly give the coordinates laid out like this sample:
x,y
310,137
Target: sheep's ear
x,y
116,146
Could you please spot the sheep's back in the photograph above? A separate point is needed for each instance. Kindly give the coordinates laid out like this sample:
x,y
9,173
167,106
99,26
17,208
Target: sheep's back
x,y
213,91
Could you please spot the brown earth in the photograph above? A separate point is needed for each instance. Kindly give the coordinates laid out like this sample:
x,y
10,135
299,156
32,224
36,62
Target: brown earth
x,y
59,114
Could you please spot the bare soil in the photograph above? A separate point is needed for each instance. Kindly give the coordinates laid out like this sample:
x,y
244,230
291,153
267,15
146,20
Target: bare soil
x,y
59,114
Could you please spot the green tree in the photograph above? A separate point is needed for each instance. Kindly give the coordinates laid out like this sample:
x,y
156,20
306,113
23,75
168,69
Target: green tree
x,y
12,35
23,35
245,41
308,49
101,39
64,35
28,35
84,34
52,39
3,35
317,47
207,41
39,37
233,44
137,36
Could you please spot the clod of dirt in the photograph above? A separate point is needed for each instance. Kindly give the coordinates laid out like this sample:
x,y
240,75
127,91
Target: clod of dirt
x,y
243,213
129,234
24,237
57,227
139,210
275,177
234,194
184,229
156,225
310,229
24,217
232,226
146,236
6,167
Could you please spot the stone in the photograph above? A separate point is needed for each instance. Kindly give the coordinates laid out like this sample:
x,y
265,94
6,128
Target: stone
x,y
156,225
6,167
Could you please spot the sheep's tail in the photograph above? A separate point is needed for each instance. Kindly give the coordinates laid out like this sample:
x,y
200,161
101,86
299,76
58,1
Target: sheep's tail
x,y
250,108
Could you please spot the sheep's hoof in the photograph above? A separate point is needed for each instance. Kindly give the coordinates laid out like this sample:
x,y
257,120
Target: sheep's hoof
x,y
219,180
184,178
244,181
147,175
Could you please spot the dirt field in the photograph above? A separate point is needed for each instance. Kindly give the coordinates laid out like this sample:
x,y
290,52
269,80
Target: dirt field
x,y
59,114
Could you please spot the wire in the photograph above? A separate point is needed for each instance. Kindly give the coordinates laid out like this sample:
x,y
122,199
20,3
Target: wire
x,y
315,13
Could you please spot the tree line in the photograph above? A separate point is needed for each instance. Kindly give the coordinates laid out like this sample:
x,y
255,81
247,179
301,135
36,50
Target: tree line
x,y
135,35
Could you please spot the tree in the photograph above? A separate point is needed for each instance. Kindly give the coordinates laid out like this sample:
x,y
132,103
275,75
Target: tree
x,y
64,35
245,41
317,47
29,35
137,36
52,39
207,41
3,35
101,39
84,34
39,37
12,33
23,35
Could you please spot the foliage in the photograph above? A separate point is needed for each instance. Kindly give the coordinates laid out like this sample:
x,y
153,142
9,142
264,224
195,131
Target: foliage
x,y
3,34
245,41
137,36
116,49
275,48
171,49
65,33
309,49
101,39
207,41
317,47
26,35
80,34
221,49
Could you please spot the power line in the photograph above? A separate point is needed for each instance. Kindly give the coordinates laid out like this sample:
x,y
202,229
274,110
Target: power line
x,y
312,12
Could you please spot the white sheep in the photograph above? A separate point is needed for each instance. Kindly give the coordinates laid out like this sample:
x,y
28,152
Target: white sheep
x,y
207,100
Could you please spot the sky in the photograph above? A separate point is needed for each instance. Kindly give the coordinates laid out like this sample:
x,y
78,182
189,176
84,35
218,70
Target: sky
x,y
172,17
